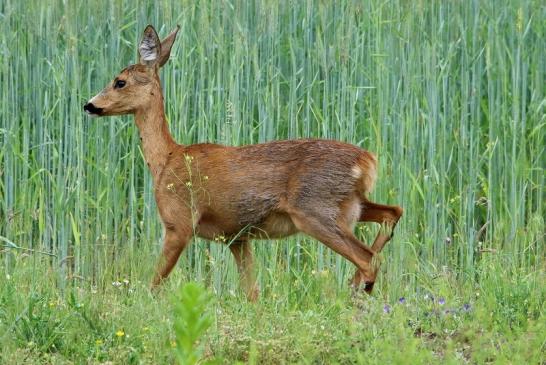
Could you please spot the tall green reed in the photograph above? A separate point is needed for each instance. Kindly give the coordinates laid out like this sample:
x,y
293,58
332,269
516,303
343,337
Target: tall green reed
x,y
450,95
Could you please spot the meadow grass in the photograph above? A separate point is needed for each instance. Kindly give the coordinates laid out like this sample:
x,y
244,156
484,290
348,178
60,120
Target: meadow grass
x,y
450,95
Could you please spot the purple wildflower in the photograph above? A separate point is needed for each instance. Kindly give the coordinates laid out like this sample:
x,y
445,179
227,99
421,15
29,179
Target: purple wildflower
x,y
386,308
466,307
441,301
402,300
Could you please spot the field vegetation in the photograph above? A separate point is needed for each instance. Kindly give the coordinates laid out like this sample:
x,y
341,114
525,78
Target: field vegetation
x,y
449,94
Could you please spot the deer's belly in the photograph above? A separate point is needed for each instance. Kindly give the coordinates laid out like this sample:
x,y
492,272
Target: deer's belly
x,y
213,228
275,225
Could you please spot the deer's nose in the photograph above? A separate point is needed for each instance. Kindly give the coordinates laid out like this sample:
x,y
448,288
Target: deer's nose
x,y
92,109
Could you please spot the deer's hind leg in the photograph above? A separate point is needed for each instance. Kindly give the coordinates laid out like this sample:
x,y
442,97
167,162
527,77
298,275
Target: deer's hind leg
x,y
387,216
337,235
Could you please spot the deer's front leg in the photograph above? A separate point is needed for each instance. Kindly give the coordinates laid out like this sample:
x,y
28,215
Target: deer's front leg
x,y
242,252
174,244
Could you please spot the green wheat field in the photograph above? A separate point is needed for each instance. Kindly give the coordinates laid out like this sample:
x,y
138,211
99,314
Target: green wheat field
x,y
449,94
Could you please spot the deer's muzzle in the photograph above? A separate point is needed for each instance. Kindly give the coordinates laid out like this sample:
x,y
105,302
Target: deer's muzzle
x,y
92,109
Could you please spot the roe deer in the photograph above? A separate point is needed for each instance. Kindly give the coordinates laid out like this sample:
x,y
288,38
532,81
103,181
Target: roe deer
x,y
268,190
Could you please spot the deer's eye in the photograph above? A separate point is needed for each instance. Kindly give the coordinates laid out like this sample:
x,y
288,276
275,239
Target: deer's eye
x,y
118,84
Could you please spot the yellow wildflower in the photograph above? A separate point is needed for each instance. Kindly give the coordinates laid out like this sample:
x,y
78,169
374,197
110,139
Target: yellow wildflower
x,y
120,333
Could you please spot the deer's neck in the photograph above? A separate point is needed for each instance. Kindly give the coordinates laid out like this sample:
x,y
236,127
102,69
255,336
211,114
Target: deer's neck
x,y
157,142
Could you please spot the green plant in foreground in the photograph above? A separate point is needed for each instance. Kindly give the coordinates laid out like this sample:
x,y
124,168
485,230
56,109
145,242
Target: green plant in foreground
x,y
191,322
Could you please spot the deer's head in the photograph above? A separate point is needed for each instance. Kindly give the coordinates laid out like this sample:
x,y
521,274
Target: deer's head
x,y
135,87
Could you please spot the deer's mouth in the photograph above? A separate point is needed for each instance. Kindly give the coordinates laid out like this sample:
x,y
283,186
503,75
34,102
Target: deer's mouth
x,y
92,109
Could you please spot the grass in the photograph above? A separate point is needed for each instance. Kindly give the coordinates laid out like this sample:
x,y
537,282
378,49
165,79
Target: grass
x,y
304,317
450,95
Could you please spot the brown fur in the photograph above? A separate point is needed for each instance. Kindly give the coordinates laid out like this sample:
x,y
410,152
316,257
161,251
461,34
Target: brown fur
x,y
233,194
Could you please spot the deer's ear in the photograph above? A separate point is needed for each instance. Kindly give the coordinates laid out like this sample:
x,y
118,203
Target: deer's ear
x,y
166,46
150,47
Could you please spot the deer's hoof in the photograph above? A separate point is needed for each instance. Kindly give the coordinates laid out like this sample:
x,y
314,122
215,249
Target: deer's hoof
x,y
253,294
368,287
